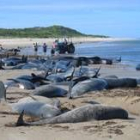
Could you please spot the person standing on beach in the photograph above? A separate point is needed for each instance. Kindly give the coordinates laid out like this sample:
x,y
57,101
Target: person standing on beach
x,y
44,48
53,48
52,51
35,48
65,42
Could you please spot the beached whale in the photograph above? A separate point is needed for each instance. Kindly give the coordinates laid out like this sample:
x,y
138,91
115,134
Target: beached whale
x,y
12,61
36,109
55,78
61,77
51,101
49,91
110,77
86,71
99,60
27,81
82,114
62,65
35,106
21,83
96,84
35,79
86,76
34,66
85,86
120,82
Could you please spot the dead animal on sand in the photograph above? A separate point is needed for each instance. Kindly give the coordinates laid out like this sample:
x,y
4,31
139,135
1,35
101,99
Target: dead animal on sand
x,y
36,106
82,114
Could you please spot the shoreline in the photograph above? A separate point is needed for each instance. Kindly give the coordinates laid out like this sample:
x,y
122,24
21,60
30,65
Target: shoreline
x,y
8,43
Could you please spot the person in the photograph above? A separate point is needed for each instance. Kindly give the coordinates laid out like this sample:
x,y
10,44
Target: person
x,y
52,51
44,48
65,41
35,48
54,46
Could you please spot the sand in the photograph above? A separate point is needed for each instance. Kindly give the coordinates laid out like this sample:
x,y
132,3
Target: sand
x,y
28,42
127,98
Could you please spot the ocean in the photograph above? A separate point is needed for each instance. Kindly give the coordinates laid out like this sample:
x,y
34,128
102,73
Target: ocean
x,y
128,50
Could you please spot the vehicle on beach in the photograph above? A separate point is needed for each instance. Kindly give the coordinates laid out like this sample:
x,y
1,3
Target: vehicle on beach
x,y
63,47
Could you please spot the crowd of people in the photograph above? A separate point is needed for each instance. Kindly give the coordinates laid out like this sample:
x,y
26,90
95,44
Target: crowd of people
x,y
45,47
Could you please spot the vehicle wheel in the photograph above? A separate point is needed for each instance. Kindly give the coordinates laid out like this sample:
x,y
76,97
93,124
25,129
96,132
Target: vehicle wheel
x,y
62,50
70,48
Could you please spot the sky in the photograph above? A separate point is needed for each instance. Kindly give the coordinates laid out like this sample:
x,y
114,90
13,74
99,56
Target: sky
x,y
116,18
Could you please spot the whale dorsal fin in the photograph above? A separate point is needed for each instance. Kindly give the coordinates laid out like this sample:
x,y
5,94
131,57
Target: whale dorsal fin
x,y
2,91
20,121
33,75
96,73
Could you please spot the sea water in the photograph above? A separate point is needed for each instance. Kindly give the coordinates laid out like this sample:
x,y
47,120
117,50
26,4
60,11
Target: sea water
x,y
128,50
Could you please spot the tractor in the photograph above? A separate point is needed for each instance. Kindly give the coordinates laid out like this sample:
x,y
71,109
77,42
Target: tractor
x,y
64,47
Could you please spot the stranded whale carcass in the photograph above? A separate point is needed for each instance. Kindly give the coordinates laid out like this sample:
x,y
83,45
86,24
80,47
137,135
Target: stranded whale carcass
x,y
82,114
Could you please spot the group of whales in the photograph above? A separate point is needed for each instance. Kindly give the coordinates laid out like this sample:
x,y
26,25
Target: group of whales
x,y
13,61
49,112
80,80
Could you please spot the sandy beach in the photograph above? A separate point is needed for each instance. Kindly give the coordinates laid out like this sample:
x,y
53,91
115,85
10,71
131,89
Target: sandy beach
x,y
70,70
26,42
127,98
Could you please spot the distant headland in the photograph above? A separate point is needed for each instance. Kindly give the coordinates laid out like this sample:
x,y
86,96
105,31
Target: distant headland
x,y
54,31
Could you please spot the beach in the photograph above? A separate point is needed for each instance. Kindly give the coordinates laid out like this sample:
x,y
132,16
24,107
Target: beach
x,y
127,98
28,42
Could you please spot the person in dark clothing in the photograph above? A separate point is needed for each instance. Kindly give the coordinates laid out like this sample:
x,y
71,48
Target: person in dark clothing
x,y
44,48
52,51
35,48
65,41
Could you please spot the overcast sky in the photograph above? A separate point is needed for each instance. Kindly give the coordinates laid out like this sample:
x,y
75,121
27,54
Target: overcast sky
x,y
117,18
